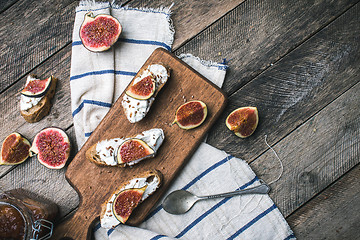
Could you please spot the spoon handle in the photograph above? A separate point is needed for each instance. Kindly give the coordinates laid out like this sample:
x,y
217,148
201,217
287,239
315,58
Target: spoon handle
x,y
261,189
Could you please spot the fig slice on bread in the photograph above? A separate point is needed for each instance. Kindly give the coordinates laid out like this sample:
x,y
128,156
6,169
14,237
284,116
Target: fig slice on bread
x,y
36,98
133,150
37,87
127,151
142,91
120,204
126,201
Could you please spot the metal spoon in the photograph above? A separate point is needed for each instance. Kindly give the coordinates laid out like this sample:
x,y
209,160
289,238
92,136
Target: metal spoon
x,y
180,201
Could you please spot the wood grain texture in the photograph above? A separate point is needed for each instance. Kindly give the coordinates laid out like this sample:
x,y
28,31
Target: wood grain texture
x,y
5,4
333,213
314,155
256,34
296,87
25,44
177,148
48,28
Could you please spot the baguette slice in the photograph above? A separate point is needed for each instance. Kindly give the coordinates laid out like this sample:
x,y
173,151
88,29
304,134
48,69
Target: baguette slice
x,y
152,179
42,109
136,109
156,136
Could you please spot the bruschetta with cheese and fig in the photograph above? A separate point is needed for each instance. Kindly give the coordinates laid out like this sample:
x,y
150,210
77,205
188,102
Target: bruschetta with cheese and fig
x,y
35,100
141,92
121,203
128,151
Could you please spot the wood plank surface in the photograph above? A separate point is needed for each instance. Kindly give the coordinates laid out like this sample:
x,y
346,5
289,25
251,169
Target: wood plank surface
x,y
316,154
5,4
333,213
256,34
252,37
296,87
47,26
177,148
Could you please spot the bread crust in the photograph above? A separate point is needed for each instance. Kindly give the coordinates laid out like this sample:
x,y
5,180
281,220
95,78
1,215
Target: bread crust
x,y
91,154
42,109
146,174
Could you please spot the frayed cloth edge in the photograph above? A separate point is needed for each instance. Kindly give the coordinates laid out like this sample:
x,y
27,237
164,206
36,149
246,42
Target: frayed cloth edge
x,y
207,63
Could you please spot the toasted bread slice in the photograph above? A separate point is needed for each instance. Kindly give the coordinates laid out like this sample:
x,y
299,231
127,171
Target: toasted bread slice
x,y
137,109
92,154
153,178
42,109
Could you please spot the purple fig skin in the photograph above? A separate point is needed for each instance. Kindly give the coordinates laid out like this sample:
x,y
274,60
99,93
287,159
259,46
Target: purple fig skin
x,y
52,146
15,149
98,33
243,121
191,114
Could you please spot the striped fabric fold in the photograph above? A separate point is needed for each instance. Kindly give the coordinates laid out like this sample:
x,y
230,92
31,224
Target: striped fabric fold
x,y
98,79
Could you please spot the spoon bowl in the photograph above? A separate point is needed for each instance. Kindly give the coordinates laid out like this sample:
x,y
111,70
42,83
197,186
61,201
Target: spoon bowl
x,y
181,201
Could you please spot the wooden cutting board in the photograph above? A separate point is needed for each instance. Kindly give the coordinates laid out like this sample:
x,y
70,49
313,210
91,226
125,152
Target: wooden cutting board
x,y
95,183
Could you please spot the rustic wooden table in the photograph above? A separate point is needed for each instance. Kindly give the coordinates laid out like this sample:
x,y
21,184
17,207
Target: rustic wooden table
x,y
296,61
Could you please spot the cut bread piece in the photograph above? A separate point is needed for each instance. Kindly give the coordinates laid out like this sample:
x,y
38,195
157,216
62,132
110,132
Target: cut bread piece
x,y
121,203
141,92
33,109
123,152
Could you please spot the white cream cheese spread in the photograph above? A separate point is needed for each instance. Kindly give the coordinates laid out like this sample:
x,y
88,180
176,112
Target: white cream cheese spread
x,y
28,102
135,109
106,148
109,220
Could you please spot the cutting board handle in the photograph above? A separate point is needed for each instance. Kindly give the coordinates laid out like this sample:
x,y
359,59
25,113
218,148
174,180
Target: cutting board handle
x,y
76,227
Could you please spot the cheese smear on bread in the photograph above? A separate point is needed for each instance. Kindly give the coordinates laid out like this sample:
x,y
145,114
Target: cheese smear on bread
x,y
28,102
106,149
108,220
136,109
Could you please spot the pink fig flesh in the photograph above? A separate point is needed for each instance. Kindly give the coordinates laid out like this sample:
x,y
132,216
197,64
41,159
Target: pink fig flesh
x,y
132,150
243,121
14,150
143,89
36,87
52,147
191,114
99,33
126,201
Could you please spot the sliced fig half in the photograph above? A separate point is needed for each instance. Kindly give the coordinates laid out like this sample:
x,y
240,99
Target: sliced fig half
x,y
36,87
99,33
126,201
133,150
143,89
52,147
14,150
243,121
191,114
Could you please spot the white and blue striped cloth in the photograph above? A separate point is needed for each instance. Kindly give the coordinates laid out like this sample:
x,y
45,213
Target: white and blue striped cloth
x,y
97,79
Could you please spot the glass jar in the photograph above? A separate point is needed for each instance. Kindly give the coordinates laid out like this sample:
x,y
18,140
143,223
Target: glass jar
x,y
20,213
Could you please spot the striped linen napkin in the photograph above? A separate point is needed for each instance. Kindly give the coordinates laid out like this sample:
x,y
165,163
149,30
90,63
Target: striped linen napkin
x,y
98,79
93,74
